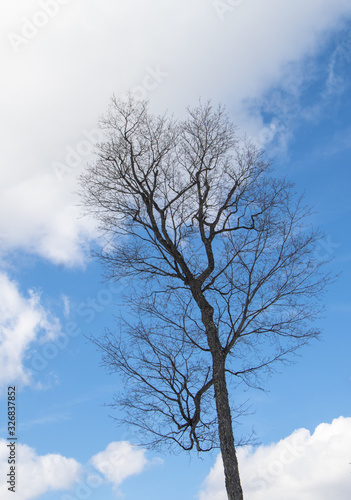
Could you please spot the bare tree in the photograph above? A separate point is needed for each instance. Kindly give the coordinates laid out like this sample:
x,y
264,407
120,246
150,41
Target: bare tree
x,y
223,279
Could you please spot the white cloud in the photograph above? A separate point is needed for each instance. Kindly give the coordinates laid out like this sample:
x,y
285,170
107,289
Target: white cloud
x,y
302,466
119,461
36,474
23,321
42,218
56,85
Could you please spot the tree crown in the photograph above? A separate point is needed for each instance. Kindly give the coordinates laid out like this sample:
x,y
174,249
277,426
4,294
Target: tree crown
x,y
193,212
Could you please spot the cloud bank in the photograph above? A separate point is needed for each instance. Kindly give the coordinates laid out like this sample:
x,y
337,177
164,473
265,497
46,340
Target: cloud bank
x,y
303,465
39,474
58,81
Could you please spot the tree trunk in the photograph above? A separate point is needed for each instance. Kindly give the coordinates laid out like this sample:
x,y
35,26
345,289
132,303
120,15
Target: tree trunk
x,y
225,430
225,425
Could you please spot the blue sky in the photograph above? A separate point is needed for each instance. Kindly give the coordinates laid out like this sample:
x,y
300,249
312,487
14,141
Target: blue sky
x,y
283,71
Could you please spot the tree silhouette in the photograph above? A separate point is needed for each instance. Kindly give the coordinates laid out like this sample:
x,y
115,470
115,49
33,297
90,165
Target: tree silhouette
x,y
220,260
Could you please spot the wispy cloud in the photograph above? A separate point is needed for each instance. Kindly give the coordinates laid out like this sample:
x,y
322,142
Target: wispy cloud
x,y
338,68
66,306
47,420
23,322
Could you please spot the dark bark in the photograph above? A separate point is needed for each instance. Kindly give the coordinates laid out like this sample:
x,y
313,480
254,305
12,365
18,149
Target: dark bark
x,y
225,431
225,427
